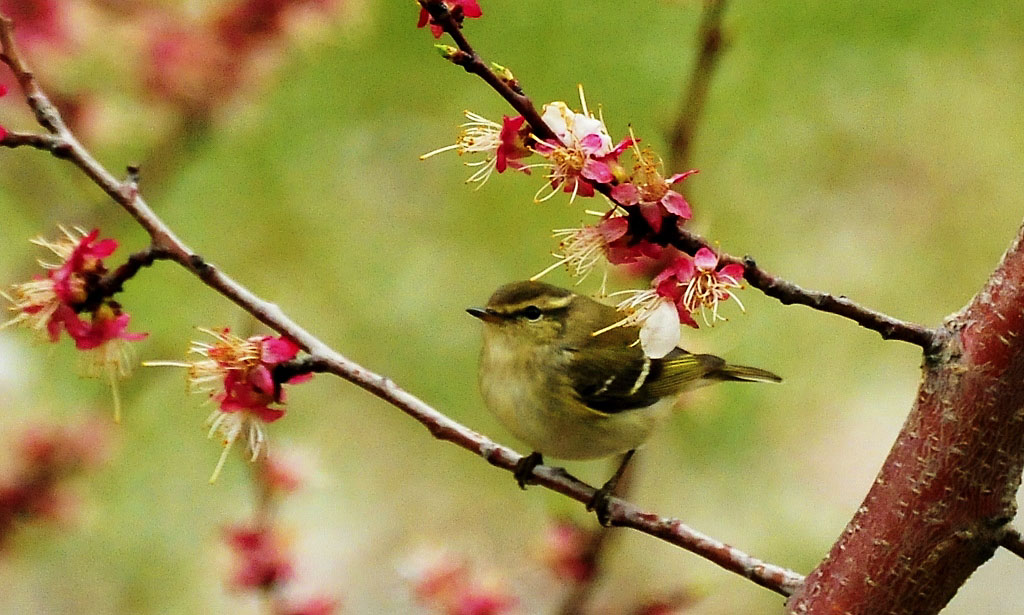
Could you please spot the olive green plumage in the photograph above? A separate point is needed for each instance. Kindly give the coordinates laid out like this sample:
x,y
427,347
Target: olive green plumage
x,y
574,395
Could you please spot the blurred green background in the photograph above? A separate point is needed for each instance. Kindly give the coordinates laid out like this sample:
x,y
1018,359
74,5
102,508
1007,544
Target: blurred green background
x,y
869,149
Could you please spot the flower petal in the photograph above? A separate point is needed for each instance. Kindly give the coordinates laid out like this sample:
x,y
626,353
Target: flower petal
x,y
733,272
660,331
299,379
267,414
262,380
678,177
592,143
613,228
683,268
625,194
470,8
675,203
556,115
685,317
705,259
597,171
623,146
274,350
654,214
102,249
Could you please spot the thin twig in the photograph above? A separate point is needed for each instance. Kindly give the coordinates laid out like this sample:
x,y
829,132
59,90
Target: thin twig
x,y
786,292
710,42
325,359
45,142
113,282
930,340
474,64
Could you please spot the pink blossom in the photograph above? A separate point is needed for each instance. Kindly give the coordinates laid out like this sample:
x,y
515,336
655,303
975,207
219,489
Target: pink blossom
x,y
63,301
84,259
249,384
3,92
314,606
501,145
671,284
480,601
626,251
448,585
260,560
512,144
48,455
459,8
651,193
190,67
576,167
250,23
684,286
581,155
238,374
281,474
37,21
107,324
52,302
699,284
583,248
565,551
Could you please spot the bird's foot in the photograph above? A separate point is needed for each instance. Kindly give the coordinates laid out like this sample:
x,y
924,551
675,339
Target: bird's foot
x,y
600,504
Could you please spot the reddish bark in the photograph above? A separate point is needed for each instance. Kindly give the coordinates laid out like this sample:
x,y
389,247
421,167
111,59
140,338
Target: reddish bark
x,y
944,497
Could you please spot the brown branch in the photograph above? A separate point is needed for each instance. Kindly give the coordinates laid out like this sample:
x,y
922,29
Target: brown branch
x,y
47,143
777,288
473,64
325,359
113,282
943,500
592,552
888,327
1013,542
789,293
711,43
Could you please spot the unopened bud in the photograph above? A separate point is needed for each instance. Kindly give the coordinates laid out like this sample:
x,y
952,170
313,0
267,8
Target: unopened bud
x,y
502,71
453,54
505,75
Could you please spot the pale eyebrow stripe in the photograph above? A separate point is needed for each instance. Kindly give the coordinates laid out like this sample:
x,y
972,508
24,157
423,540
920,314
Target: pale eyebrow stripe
x,y
548,304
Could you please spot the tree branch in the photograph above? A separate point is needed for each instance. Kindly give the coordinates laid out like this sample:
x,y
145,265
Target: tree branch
x,y
597,539
1013,542
772,286
325,359
475,65
711,43
47,143
943,500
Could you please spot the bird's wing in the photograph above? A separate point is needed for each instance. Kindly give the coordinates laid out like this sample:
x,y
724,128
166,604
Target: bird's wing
x,y
619,378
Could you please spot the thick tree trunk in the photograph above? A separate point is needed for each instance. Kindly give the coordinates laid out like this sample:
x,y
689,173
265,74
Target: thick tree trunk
x,y
946,493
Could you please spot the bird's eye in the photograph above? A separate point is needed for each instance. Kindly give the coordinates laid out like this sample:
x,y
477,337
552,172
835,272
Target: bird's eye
x,y
532,312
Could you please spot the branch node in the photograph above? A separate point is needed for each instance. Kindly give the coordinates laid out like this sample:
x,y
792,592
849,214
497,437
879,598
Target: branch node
x,y
200,266
62,151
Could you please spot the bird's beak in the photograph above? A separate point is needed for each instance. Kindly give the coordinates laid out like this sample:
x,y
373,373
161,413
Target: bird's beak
x,y
483,314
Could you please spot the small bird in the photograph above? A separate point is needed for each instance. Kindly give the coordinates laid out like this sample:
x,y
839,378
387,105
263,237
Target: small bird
x,y
570,387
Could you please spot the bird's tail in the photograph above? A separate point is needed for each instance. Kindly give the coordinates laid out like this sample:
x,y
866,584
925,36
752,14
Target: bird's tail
x,y
742,373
